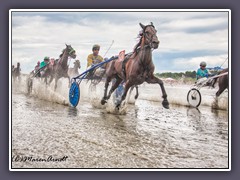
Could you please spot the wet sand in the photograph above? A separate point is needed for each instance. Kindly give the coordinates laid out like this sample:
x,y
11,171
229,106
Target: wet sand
x,y
48,133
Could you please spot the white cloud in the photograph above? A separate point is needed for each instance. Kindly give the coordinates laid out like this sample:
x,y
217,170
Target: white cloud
x,y
182,41
193,63
35,35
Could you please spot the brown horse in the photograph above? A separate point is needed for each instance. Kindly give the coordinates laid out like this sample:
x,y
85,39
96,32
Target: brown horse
x,y
222,82
136,68
16,72
60,68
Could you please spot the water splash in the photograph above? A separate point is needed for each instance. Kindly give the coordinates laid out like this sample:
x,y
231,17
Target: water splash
x,y
151,92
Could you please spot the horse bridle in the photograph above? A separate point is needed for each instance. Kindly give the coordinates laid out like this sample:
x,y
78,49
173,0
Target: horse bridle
x,y
148,38
71,51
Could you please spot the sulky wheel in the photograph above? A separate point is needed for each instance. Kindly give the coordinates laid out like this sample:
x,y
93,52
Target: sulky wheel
x,y
74,94
194,97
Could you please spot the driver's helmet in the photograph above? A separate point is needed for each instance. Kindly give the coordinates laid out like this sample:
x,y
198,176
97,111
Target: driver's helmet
x,y
203,63
96,46
46,58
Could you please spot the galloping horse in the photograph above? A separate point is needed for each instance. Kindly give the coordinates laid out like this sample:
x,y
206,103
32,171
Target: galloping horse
x,y
16,72
137,68
222,82
60,69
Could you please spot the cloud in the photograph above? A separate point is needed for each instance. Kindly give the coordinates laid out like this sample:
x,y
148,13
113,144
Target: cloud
x,y
185,37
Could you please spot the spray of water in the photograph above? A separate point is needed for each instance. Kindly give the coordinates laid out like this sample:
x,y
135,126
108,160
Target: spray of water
x,y
43,91
151,92
95,94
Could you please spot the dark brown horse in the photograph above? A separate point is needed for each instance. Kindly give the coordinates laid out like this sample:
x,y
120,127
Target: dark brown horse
x,y
222,82
137,68
16,72
60,68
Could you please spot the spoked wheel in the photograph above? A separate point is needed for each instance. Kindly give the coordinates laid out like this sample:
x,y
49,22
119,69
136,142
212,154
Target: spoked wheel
x,y
194,97
74,94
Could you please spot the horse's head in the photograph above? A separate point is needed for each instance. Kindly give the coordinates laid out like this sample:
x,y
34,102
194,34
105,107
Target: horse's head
x,y
18,64
77,64
149,34
71,52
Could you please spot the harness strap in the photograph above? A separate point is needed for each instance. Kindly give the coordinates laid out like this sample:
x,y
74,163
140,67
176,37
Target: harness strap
x,y
124,64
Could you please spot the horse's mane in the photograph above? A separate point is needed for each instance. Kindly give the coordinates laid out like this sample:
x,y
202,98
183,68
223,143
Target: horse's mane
x,y
140,36
61,55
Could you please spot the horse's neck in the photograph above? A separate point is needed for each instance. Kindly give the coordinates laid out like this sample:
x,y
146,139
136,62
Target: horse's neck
x,y
64,59
145,54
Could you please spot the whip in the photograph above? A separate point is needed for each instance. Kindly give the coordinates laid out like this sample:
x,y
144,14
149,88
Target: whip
x,y
109,48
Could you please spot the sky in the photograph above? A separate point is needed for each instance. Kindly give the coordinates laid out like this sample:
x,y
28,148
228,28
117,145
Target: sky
x,y
186,37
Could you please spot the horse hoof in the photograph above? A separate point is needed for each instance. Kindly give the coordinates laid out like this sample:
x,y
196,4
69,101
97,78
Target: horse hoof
x,y
165,104
118,107
103,101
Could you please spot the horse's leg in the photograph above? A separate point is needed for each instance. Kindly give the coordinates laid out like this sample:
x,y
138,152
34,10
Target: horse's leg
x,y
51,78
103,101
214,82
154,80
130,93
223,84
127,86
220,91
55,86
114,86
45,80
136,96
131,89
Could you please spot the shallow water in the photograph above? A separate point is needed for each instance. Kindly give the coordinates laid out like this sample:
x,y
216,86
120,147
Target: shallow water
x,y
144,135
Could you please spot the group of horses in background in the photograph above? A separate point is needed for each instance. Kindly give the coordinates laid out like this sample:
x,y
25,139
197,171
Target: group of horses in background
x,y
58,69
133,69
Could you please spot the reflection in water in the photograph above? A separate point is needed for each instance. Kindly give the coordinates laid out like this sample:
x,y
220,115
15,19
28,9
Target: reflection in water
x,y
215,111
194,115
72,111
